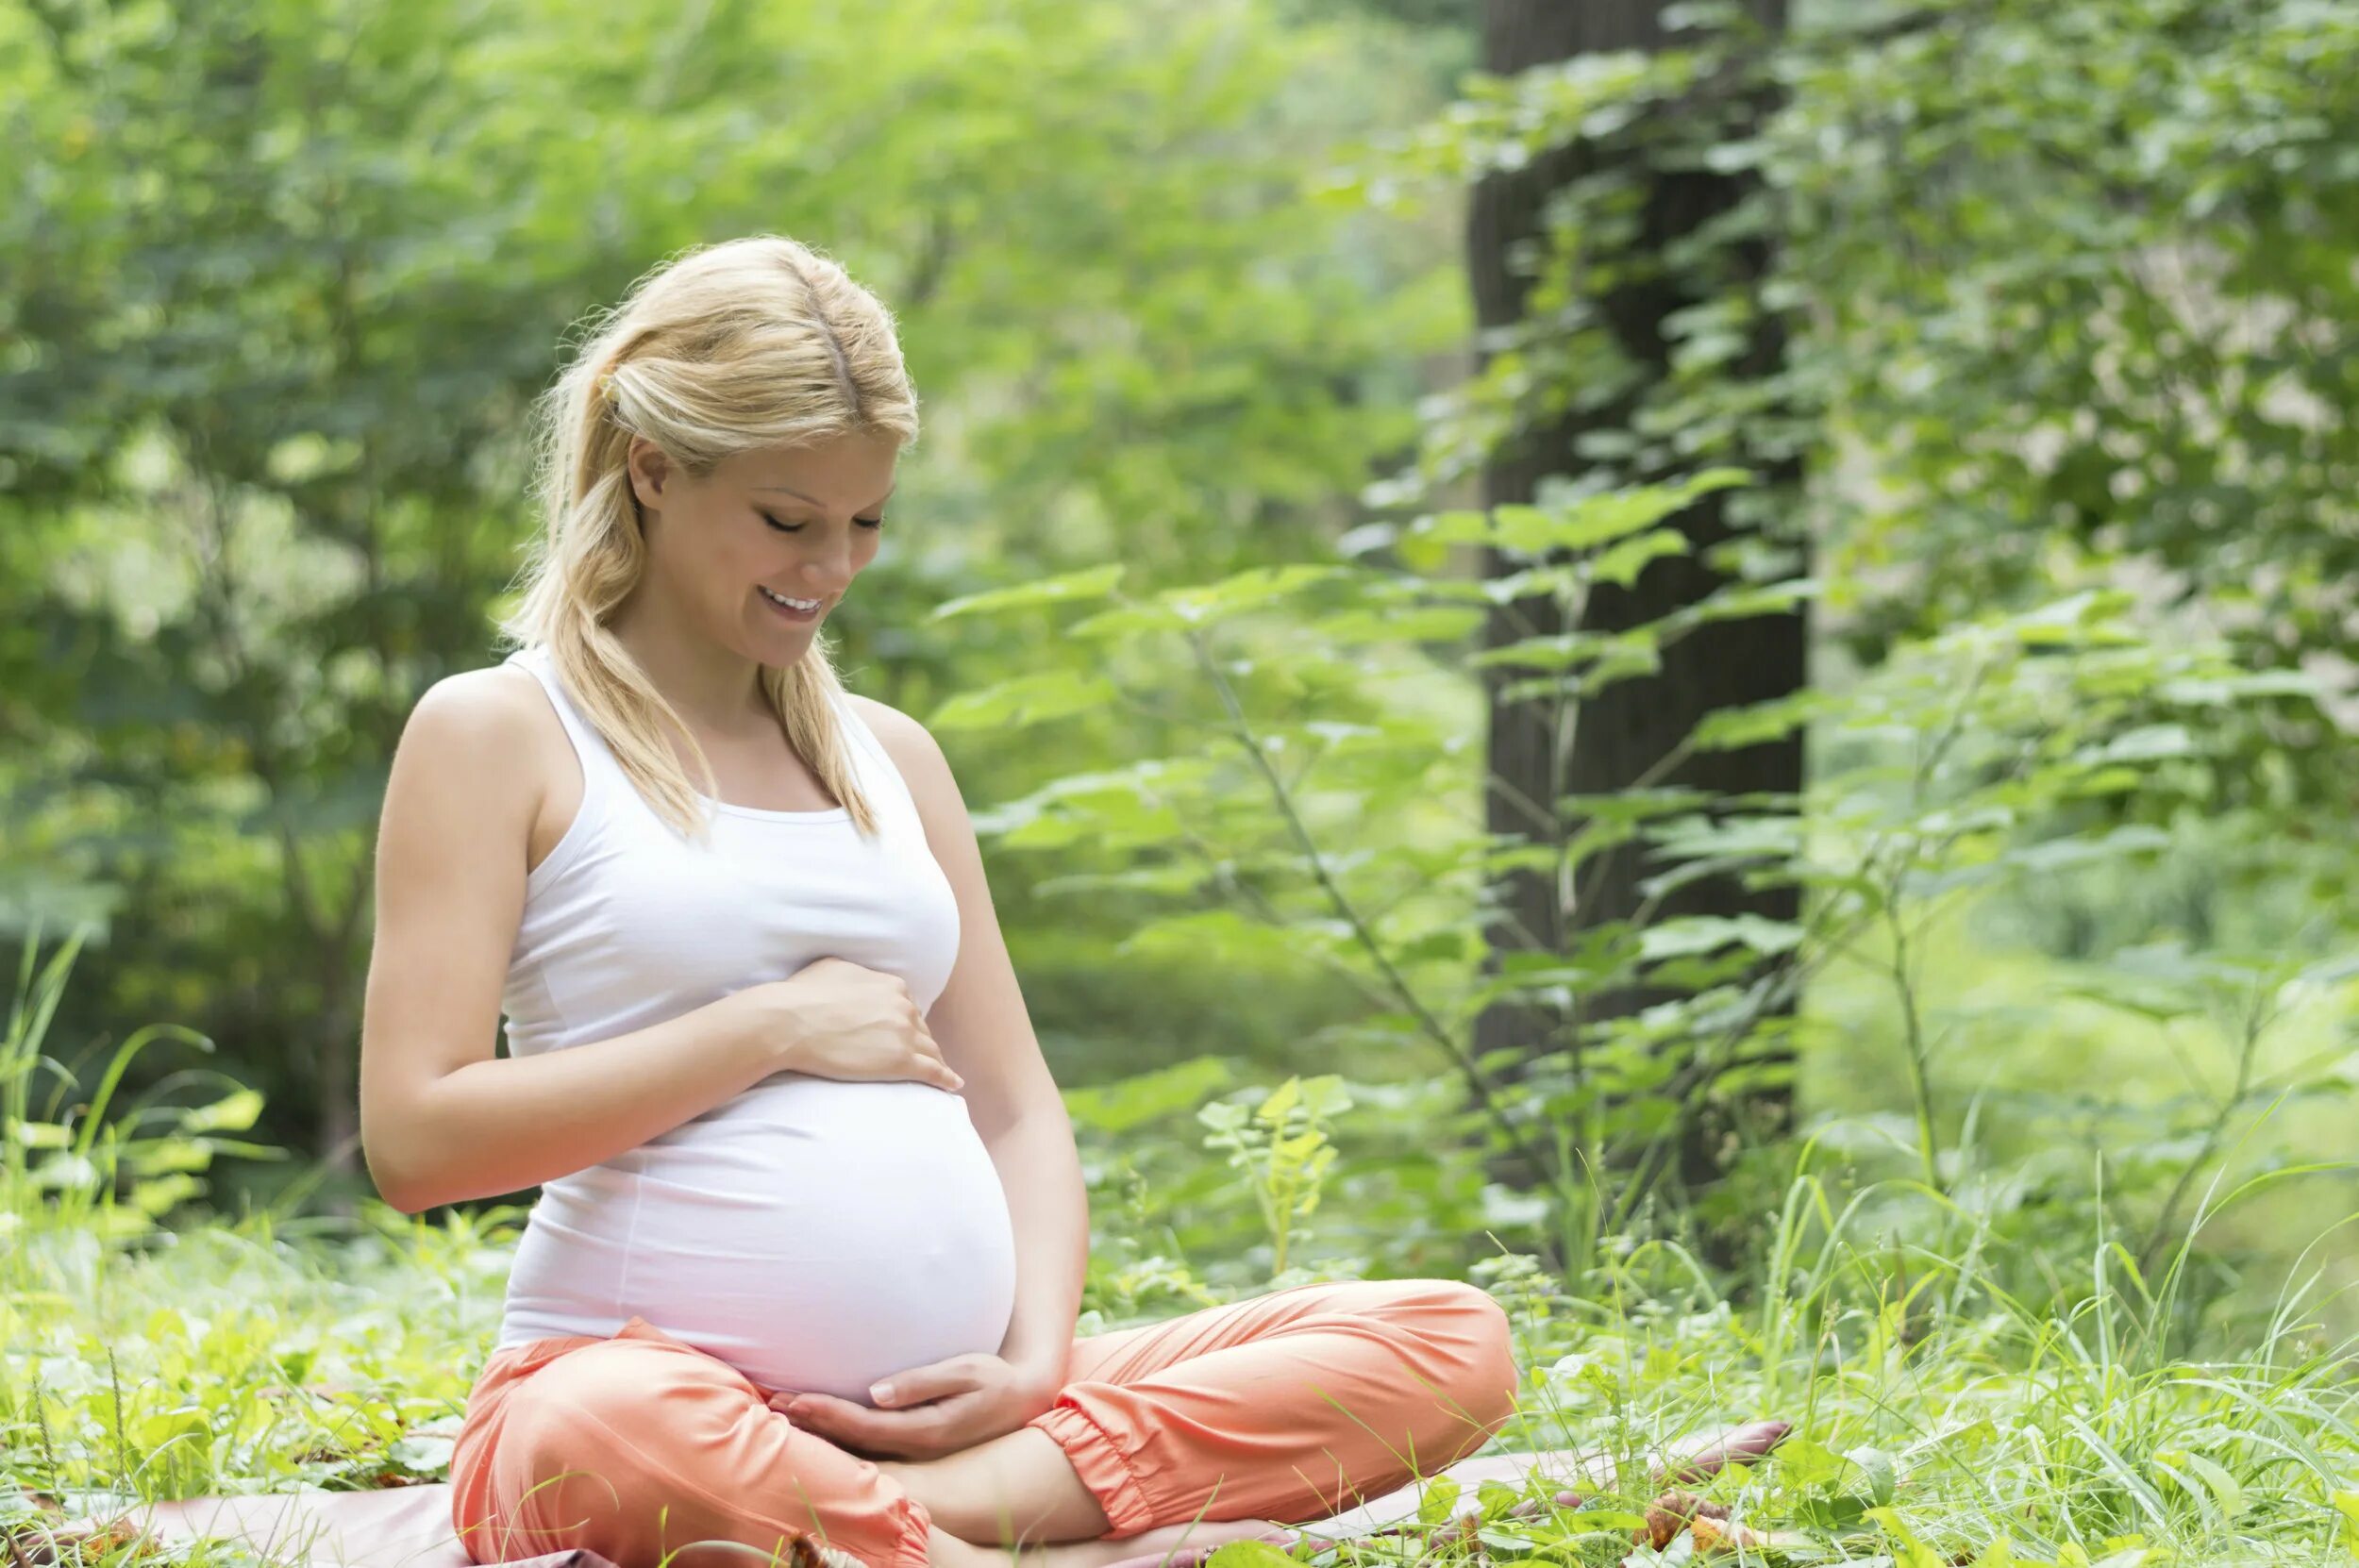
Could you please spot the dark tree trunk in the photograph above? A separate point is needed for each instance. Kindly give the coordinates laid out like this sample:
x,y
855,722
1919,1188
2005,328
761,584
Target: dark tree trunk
x,y
1616,737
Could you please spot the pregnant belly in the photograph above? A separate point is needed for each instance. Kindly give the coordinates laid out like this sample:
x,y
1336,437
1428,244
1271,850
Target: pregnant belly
x,y
815,1233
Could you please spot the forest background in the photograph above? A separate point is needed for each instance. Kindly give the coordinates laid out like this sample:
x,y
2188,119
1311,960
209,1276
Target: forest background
x,y
1681,656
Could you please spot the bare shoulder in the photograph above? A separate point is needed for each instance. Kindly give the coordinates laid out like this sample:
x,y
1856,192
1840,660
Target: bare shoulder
x,y
497,703
494,727
890,724
914,750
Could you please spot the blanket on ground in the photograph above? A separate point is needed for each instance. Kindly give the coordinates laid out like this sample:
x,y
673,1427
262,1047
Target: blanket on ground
x,y
409,1527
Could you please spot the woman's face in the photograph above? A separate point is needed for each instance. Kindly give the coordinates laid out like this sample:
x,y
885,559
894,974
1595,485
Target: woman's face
x,y
795,523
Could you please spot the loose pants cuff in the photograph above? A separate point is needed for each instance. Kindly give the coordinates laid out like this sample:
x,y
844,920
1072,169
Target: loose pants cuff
x,y
910,1550
1102,1465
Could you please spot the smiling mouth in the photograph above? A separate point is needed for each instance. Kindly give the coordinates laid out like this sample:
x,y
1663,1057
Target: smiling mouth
x,y
808,608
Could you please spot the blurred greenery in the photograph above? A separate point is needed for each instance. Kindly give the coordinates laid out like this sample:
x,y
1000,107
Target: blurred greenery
x,y
1187,577
285,278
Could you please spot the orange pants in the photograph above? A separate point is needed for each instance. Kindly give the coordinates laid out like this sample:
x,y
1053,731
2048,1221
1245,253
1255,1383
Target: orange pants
x,y
1291,1406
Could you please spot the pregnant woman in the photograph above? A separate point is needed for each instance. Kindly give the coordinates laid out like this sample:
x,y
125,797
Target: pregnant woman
x,y
804,1271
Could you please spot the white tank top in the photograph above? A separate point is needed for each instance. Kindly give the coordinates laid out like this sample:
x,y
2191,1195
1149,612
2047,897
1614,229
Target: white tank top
x,y
817,1233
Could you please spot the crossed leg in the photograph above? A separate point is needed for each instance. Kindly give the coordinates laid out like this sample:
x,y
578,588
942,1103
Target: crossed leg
x,y
1287,1407
1290,1406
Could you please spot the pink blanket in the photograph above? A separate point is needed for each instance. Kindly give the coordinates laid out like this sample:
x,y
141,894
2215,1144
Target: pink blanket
x,y
409,1527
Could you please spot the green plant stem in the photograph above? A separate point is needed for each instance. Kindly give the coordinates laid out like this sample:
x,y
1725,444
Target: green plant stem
x,y
1402,992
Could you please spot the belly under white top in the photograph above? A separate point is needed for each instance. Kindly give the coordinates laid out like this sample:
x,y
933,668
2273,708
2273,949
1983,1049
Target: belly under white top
x,y
816,1233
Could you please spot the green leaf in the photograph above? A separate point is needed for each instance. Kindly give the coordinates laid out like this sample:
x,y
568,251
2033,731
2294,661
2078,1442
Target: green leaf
x,y
2221,690
1131,1103
1689,935
1912,1553
1586,523
234,1112
1743,600
153,1431
1730,728
2083,849
1553,651
1622,563
1129,620
1808,1464
1209,603
155,1198
2222,1487
40,1135
1629,805
1423,624
2146,744
1497,1497
2347,1504
1881,1472
1248,1554
1025,700
1092,583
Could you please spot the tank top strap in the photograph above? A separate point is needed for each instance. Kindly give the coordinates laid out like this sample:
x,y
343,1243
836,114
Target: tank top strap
x,y
875,765
598,763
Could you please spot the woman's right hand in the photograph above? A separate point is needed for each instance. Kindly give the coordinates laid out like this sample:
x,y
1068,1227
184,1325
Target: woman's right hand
x,y
837,1019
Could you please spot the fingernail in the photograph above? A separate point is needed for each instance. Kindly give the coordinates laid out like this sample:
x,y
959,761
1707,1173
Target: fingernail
x,y
881,1393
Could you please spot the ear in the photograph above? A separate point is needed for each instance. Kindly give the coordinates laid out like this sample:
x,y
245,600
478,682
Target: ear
x,y
649,469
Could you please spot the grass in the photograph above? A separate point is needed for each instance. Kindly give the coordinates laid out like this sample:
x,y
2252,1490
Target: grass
x,y
1968,1381
2083,1117
1936,1421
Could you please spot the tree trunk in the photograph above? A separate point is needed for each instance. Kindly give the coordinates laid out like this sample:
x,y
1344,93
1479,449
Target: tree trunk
x,y
1616,737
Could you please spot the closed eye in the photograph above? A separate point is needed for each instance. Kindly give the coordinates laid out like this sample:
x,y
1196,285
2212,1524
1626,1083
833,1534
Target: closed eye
x,y
870,523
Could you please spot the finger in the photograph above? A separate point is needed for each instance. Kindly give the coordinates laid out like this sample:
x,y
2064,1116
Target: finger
x,y
828,1422
846,1424
930,1068
818,1409
935,1379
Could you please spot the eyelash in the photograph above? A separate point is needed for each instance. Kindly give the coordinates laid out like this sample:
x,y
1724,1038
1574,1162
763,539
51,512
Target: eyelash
x,y
874,524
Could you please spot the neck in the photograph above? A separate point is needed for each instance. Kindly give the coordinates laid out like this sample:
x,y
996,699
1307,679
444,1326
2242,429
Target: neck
x,y
717,688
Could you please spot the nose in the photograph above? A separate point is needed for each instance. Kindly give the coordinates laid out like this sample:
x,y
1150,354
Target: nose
x,y
829,573
825,585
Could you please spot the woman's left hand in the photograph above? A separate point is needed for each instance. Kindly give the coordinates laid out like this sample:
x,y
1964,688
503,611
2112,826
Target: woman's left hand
x,y
930,1411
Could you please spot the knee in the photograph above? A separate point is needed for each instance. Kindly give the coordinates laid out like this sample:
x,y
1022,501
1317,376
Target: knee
x,y
1486,1378
575,1442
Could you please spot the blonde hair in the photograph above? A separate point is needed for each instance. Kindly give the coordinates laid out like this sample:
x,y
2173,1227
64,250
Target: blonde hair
x,y
753,343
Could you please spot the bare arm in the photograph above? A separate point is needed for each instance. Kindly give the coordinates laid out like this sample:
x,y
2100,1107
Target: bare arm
x,y
443,1116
